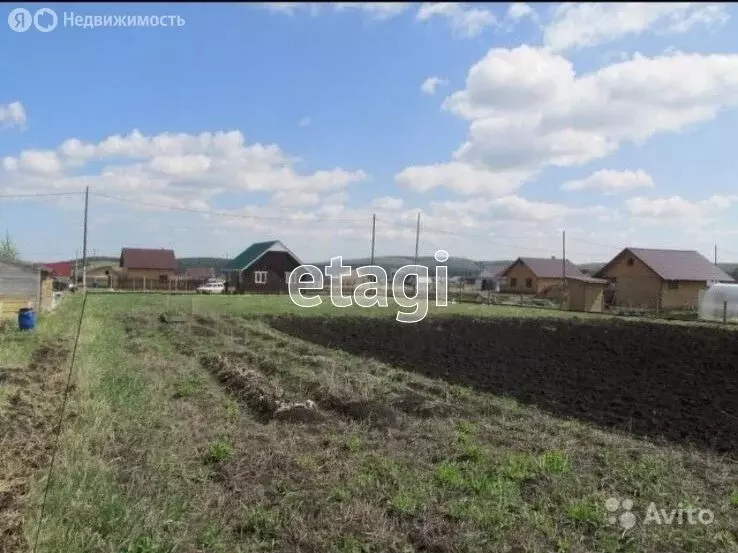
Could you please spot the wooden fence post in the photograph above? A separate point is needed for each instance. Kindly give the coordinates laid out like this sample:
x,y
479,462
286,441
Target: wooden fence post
x,y
725,311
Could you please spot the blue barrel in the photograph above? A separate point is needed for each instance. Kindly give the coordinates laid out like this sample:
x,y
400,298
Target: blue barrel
x,y
26,318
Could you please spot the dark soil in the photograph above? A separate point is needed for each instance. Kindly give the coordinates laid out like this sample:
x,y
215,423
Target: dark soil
x,y
674,382
248,385
26,432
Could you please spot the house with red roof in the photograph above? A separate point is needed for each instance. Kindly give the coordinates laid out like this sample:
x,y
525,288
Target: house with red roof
x,y
63,269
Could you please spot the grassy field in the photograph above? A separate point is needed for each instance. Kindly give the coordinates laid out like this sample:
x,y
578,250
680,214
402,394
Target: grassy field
x,y
176,438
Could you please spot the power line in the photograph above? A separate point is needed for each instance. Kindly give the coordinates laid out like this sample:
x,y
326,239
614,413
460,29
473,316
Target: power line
x,y
41,195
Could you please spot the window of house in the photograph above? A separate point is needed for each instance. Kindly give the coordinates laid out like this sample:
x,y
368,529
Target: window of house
x,y
529,283
163,278
260,277
673,285
513,282
630,262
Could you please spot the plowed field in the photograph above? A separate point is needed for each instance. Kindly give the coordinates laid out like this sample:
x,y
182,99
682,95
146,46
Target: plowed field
x,y
670,381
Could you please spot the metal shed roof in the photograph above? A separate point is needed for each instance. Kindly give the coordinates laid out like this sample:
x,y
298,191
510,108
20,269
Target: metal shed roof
x,y
676,265
546,267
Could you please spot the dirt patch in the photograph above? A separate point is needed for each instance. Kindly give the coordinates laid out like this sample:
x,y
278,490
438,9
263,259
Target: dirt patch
x,y
418,405
203,331
13,375
372,412
306,412
48,356
660,381
26,427
134,325
434,536
266,400
248,385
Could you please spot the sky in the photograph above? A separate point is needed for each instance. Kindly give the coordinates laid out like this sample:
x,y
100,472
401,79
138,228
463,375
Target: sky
x,y
501,125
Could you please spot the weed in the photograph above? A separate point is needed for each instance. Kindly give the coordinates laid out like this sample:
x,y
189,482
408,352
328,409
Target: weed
x,y
353,444
350,544
187,388
554,462
260,522
219,451
145,544
734,498
585,514
403,503
231,408
210,536
339,494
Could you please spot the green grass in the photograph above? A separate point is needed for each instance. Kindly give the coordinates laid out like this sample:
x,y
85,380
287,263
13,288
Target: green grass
x,y
167,450
258,305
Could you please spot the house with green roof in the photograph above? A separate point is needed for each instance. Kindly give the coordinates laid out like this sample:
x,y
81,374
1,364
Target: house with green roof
x,y
262,268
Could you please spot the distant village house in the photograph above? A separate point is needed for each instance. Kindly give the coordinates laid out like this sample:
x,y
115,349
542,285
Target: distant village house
x,y
659,279
262,268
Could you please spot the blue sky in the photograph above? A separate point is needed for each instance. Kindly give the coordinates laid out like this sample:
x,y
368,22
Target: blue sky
x,y
299,122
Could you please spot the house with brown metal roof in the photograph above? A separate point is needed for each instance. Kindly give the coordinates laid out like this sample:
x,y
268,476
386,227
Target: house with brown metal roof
x,y
155,265
536,275
659,279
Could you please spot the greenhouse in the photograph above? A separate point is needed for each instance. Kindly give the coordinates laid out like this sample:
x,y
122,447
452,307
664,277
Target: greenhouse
x,y
719,303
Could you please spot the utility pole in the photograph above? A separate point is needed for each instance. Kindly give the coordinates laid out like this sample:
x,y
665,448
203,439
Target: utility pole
x,y
563,255
564,287
76,271
374,228
84,242
715,254
417,239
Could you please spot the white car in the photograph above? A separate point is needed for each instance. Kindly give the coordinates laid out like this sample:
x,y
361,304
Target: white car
x,y
211,288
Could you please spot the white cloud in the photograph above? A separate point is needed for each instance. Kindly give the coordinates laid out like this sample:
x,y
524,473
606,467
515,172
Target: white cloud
x,y
676,207
465,21
610,181
178,168
290,8
376,10
181,165
461,178
13,114
38,162
290,199
431,83
387,202
519,10
515,208
10,164
583,24
304,122
528,109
